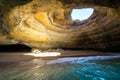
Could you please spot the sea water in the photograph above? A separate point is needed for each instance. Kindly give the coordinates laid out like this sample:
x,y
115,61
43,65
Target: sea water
x,y
73,68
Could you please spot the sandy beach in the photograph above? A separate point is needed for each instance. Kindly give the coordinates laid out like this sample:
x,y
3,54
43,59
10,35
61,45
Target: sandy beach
x,y
19,56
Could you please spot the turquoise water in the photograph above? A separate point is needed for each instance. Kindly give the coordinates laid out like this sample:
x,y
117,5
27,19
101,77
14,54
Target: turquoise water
x,y
80,68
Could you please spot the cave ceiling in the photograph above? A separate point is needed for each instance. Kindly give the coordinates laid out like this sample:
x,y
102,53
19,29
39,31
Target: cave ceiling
x,y
47,24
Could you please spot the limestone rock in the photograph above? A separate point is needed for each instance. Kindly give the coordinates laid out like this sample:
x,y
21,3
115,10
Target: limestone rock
x,y
47,24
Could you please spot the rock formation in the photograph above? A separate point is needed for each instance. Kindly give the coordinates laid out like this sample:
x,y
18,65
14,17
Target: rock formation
x,y
47,24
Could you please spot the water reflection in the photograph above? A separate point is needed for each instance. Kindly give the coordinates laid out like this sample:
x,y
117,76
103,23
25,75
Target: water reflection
x,y
83,68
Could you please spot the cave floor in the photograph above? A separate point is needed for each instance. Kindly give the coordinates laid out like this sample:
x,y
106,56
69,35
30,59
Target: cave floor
x,y
19,56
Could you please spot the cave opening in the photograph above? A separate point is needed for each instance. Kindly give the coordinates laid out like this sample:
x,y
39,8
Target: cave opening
x,y
81,14
14,48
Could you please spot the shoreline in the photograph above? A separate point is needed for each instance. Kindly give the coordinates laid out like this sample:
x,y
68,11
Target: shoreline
x,y
19,56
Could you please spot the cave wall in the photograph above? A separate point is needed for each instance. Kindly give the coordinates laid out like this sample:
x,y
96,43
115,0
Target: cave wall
x,y
47,24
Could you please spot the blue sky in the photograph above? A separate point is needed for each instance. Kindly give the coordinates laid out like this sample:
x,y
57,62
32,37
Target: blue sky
x,y
81,14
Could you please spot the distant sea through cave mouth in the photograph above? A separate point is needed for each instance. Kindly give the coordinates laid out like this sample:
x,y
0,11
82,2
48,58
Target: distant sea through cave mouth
x,y
74,68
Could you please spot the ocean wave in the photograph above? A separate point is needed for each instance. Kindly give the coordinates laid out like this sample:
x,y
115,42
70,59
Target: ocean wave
x,y
82,59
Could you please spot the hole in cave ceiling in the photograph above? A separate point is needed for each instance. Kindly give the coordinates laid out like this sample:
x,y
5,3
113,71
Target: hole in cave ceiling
x,y
81,14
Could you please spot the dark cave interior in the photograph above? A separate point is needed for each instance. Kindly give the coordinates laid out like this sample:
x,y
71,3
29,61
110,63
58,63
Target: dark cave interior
x,y
14,48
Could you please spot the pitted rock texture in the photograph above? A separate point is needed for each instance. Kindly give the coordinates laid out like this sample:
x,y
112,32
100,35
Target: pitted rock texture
x,y
47,24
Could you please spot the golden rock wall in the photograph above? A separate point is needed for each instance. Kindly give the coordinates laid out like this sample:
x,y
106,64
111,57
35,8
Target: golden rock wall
x,y
47,24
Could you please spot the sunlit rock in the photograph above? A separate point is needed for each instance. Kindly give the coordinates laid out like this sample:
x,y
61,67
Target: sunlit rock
x,y
48,24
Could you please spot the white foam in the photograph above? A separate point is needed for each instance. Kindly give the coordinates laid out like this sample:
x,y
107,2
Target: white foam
x,y
82,59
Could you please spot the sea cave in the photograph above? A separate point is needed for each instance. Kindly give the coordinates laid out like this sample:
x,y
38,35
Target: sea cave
x,y
59,39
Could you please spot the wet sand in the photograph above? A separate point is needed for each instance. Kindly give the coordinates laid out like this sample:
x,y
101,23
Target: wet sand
x,y
19,56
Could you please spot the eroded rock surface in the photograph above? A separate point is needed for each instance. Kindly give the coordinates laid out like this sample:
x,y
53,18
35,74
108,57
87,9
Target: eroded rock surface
x,y
47,24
